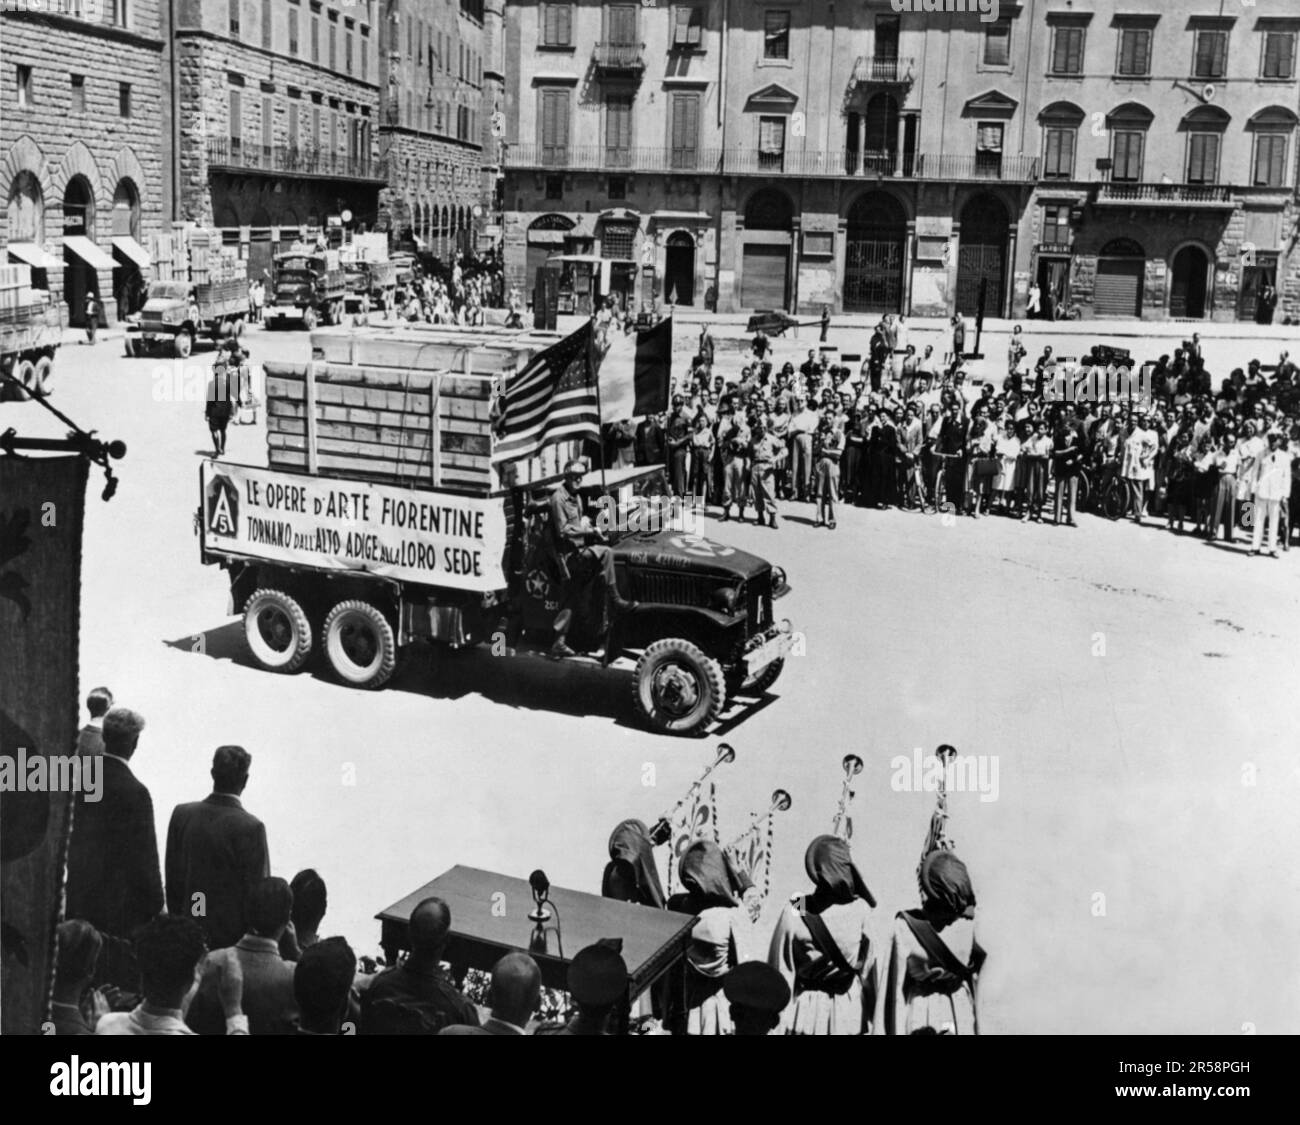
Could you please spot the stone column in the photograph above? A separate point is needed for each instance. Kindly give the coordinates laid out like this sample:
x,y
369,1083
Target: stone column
x,y
898,155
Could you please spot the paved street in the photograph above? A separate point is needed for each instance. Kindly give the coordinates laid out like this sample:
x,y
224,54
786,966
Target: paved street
x,y
1135,692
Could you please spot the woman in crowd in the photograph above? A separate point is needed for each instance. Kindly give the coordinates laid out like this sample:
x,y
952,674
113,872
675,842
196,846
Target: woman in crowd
x,y
828,447
1007,449
701,456
934,959
982,458
719,941
825,947
854,453
1224,509
1031,474
1180,480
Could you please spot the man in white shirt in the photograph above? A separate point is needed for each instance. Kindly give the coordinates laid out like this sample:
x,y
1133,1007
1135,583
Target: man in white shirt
x,y
1272,485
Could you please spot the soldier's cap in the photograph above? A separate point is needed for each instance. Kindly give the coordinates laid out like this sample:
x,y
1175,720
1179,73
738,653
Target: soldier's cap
x,y
678,400
597,976
757,986
577,467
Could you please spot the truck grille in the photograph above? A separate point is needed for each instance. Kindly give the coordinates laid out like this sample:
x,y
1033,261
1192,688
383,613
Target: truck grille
x,y
672,589
151,320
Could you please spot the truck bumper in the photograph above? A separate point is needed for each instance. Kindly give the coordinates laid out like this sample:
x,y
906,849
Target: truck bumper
x,y
767,648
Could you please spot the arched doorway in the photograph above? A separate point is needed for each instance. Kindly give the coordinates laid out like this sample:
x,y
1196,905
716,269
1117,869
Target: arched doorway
x,y
78,220
873,254
679,269
1191,273
128,281
982,255
1117,290
765,262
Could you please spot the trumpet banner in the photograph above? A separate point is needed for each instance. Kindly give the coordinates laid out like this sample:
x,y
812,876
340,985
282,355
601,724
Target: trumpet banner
x,y
41,509
700,822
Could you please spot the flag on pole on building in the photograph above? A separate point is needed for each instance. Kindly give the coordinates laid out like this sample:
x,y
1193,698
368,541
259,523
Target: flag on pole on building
x,y
636,372
552,399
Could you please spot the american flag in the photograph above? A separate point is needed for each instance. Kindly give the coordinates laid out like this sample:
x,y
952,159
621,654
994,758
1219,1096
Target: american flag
x,y
552,399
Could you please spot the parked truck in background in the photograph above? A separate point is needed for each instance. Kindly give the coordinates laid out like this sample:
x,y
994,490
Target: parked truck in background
x,y
178,313
31,330
309,287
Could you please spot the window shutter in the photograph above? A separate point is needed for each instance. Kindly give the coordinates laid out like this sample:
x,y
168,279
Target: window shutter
x,y
622,25
1052,158
1074,62
564,24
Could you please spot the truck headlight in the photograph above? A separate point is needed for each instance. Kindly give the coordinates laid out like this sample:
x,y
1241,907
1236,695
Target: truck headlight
x,y
726,598
780,586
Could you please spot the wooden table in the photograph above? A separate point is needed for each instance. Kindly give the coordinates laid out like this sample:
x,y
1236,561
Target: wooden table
x,y
489,918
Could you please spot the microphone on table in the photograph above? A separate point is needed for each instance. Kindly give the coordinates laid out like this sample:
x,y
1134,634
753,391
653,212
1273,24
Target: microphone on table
x,y
541,886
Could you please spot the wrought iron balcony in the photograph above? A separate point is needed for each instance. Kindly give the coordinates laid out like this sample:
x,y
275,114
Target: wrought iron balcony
x,y
885,69
305,160
1185,196
625,57
608,158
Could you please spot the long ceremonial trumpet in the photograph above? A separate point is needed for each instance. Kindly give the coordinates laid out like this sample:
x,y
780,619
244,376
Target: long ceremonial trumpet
x,y
662,831
780,802
843,827
936,839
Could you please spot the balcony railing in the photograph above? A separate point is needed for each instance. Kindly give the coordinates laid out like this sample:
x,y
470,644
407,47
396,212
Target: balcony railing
x,y
619,56
887,68
750,161
1164,195
231,152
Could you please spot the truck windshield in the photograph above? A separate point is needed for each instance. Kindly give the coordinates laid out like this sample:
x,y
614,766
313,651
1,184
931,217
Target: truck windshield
x,y
169,291
299,265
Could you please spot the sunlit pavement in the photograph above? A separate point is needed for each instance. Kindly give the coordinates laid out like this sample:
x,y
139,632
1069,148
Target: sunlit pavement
x,y
1130,695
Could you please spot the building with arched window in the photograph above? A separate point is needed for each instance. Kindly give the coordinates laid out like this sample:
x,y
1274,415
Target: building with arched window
x,y
85,140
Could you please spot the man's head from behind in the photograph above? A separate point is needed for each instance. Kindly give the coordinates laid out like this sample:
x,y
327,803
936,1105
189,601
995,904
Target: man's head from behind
x,y
429,928
516,988
122,732
230,769
170,950
309,901
758,995
268,907
98,702
79,946
321,982
598,980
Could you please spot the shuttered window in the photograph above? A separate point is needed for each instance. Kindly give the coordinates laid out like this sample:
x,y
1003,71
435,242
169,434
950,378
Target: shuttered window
x,y
1127,158
1211,53
1270,160
685,129
771,142
1203,158
1134,51
622,25
553,121
557,25
618,130
1058,156
236,122
1279,54
688,26
997,43
1067,50
776,35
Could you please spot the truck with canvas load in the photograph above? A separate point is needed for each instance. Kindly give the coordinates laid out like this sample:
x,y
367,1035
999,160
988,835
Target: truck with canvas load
x,y
371,286
309,286
31,330
384,523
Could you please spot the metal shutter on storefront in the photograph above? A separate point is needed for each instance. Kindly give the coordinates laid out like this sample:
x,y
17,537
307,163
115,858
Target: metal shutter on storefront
x,y
763,277
1119,288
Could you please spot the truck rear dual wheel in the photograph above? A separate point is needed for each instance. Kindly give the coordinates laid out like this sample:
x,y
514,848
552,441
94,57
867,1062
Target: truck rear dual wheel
x,y
25,372
277,631
678,688
359,644
42,377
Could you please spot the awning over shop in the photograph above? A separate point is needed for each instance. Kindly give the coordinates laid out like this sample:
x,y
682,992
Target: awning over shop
x,y
88,252
133,250
680,217
32,255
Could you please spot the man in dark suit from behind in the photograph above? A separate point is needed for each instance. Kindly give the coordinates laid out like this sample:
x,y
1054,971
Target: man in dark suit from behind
x,y
268,999
515,992
322,985
216,852
90,739
113,877
416,997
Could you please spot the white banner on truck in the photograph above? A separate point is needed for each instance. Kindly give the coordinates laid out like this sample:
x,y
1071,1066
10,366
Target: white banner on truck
x,y
432,538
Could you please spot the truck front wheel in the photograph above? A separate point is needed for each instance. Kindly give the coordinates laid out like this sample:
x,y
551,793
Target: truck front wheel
x,y
678,688
277,631
360,644
183,343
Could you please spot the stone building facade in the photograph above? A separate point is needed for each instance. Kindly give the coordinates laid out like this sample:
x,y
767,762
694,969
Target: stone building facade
x,y
85,141
434,110
782,155
277,106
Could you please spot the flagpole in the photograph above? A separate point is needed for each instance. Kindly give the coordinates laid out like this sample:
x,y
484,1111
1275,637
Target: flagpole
x,y
600,412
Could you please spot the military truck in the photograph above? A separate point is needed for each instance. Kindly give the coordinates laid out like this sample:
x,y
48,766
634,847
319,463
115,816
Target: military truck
x,y
309,287
30,335
384,523
177,313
